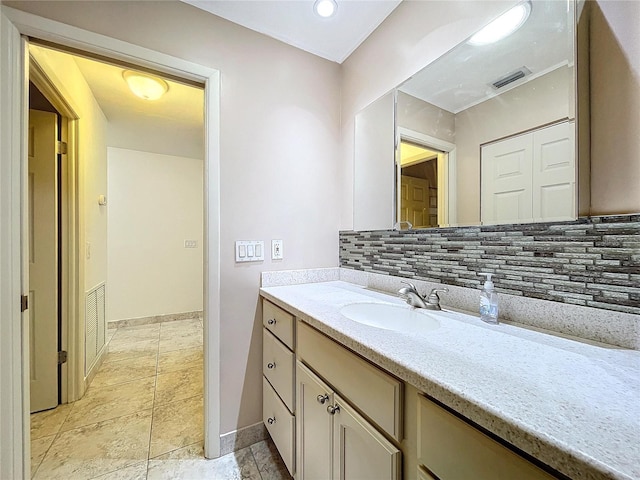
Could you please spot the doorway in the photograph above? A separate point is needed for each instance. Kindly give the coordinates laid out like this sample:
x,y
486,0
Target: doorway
x,y
139,277
425,181
418,185
14,325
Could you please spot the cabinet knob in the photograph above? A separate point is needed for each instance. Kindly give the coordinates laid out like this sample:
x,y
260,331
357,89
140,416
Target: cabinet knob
x,y
323,398
271,321
271,420
271,365
333,409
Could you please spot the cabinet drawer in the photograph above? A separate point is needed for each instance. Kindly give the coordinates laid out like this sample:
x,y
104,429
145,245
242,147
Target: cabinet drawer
x,y
450,448
280,424
277,366
376,393
279,322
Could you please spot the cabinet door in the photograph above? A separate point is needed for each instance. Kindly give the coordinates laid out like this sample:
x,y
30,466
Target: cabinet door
x,y
313,426
360,452
452,449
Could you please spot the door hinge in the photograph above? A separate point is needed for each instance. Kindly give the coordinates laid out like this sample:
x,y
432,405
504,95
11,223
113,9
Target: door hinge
x,y
62,357
62,148
24,302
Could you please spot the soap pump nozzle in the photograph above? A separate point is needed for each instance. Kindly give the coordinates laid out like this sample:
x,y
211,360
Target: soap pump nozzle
x,y
488,284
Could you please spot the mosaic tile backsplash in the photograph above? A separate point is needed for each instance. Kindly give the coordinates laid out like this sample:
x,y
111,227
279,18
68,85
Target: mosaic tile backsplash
x,y
593,262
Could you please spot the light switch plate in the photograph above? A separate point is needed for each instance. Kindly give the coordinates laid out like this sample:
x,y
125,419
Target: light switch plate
x,y
249,251
277,252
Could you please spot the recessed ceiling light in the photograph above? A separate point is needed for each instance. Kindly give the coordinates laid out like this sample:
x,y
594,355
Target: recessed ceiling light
x,y
325,8
503,26
145,86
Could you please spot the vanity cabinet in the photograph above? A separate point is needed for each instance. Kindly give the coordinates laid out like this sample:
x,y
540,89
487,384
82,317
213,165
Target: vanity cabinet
x,y
334,441
278,381
334,415
451,449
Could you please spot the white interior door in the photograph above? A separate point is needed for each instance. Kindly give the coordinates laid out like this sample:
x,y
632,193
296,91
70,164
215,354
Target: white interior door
x,y
554,173
43,266
506,181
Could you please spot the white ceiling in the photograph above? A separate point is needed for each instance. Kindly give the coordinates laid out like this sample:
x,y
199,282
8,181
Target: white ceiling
x,y
295,23
173,124
181,104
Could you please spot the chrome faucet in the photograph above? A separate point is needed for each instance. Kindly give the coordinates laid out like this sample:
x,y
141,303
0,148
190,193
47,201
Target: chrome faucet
x,y
412,297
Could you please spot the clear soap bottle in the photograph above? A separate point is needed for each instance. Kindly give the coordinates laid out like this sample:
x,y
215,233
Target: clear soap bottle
x,y
488,301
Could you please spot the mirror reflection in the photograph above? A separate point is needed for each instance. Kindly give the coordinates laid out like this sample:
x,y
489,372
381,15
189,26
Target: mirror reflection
x,y
486,133
508,107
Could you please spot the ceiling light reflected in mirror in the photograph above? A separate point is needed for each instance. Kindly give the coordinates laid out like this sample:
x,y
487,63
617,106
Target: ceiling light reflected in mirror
x,y
503,26
145,86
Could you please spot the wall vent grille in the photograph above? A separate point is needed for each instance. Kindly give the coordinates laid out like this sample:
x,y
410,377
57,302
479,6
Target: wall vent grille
x,y
95,325
512,77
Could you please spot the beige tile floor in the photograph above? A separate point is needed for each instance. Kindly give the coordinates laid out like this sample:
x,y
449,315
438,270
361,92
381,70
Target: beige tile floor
x,y
142,417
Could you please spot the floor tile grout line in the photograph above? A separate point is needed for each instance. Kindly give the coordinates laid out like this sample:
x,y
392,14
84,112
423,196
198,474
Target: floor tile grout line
x,y
256,462
200,442
131,380
153,407
116,470
106,420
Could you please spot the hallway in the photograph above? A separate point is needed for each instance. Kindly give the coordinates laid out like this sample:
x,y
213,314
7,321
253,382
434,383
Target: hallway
x,y
142,416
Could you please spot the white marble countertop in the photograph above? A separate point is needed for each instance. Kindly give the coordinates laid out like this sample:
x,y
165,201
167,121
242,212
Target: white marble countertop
x,y
573,405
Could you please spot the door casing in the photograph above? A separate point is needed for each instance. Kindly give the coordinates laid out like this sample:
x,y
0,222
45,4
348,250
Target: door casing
x,y
15,25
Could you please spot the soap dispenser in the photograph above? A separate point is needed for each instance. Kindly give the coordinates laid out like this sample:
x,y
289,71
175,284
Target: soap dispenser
x,y
488,301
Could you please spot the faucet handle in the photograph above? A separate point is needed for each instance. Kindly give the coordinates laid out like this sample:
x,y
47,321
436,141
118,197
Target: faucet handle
x,y
433,295
410,284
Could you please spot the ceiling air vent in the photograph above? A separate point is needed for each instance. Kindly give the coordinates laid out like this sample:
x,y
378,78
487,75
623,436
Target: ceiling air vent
x,y
512,77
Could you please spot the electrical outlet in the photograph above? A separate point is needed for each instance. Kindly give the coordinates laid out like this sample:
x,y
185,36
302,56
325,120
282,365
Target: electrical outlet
x,y
277,252
190,244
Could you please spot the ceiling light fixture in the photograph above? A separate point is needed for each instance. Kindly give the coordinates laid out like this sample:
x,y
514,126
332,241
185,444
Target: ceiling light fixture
x,y
145,86
325,8
503,26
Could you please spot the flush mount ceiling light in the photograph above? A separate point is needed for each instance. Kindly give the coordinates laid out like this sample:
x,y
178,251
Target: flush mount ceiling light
x,y
325,8
503,26
145,86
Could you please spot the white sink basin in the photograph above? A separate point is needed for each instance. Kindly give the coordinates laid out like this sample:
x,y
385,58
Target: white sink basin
x,y
391,317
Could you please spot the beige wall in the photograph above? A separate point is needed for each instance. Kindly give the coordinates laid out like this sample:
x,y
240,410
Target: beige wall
x,y
280,117
92,158
179,140
154,205
413,36
615,107
538,102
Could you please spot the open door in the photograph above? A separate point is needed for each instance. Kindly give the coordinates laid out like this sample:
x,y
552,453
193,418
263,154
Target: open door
x,y
43,263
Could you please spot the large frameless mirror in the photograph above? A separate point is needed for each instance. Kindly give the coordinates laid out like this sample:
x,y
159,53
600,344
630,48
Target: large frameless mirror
x,y
483,135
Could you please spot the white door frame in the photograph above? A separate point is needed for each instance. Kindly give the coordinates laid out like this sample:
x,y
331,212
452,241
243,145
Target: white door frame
x,y
72,264
446,170
14,381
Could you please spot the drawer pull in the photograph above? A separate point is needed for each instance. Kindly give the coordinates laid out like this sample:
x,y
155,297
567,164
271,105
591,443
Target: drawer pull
x,y
333,409
271,365
271,420
271,321
323,398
